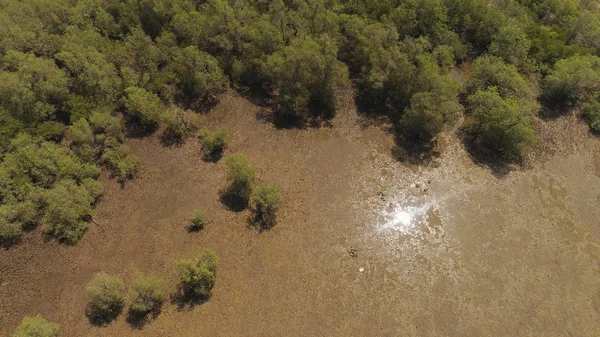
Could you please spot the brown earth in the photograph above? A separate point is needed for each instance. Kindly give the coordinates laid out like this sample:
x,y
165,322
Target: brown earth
x,y
445,248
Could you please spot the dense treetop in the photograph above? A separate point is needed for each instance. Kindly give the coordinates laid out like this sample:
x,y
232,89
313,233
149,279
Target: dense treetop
x,y
72,71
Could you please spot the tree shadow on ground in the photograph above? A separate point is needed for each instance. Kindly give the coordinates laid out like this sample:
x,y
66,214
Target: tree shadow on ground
x,y
184,301
491,159
415,152
137,319
134,128
169,138
8,243
212,157
231,202
256,221
104,320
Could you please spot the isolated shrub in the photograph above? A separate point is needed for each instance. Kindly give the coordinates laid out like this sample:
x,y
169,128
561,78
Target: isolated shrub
x,y
36,326
213,143
240,175
265,203
197,277
106,294
197,221
142,104
147,294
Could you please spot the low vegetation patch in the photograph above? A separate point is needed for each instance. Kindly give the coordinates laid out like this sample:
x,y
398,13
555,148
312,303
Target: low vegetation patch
x,y
36,326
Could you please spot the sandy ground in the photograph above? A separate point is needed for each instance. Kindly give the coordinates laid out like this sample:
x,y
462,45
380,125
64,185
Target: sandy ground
x,y
446,248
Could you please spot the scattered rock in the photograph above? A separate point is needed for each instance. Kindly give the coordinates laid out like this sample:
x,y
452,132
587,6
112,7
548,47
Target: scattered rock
x,y
353,252
417,185
361,269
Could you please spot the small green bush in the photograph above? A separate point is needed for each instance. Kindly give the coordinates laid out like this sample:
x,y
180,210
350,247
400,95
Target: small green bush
x,y
197,277
197,221
213,143
240,175
147,294
106,294
265,203
36,326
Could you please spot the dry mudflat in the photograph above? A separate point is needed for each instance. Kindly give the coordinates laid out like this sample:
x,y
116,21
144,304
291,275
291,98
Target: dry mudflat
x,y
444,246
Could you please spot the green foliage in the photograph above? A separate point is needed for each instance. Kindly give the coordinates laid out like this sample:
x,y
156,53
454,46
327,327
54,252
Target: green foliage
x,y
427,114
50,130
36,326
491,71
174,118
240,175
511,44
197,277
31,88
306,75
197,221
106,294
573,80
41,180
213,143
265,202
67,206
143,105
119,160
196,76
147,294
101,140
504,124
591,111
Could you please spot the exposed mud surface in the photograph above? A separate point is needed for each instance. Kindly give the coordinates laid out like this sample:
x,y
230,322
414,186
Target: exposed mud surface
x,y
366,245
